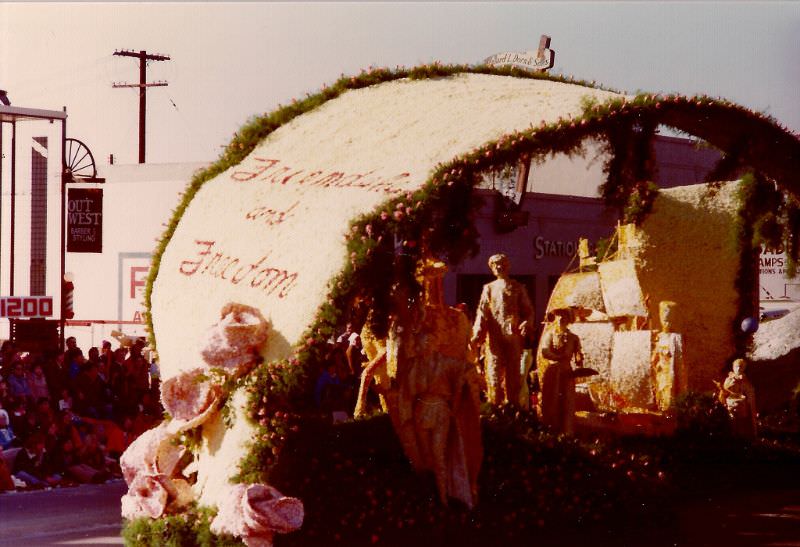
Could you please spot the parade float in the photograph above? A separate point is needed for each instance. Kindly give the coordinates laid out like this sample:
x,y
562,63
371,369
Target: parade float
x,y
336,203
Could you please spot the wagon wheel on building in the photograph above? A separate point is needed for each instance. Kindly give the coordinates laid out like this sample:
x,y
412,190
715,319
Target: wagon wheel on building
x,y
78,160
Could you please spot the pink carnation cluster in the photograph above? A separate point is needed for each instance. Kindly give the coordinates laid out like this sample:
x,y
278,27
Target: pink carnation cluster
x,y
233,341
190,398
149,466
256,512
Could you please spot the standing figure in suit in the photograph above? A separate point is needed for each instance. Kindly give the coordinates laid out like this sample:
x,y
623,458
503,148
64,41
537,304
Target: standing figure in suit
x,y
501,326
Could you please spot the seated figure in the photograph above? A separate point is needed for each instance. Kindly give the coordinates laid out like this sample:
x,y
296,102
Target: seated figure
x,y
739,398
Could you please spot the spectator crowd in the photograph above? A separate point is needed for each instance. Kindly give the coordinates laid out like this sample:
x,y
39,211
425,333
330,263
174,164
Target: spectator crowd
x,y
66,418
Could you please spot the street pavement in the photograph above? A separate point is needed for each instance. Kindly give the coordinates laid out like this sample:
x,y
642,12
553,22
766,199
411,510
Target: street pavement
x,y
90,515
82,515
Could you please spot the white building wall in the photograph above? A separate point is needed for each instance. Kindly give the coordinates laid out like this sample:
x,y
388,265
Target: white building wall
x,y
138,201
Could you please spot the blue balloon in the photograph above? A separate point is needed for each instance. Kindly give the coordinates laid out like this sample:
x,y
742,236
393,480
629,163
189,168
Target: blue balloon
x,y
749,325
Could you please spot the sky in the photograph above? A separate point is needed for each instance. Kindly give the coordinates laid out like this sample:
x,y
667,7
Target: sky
x,y
232,61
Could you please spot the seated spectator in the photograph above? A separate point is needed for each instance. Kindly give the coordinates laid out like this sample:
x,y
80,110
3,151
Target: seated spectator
x,y
44,414
68,428
37,382
7,437
111,436
20,423
53,372
18,381
6,482
7,352
70,464
5,393
29,465
93,454
91,393
65,402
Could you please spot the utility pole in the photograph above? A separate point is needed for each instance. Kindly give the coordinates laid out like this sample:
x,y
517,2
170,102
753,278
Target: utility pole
x,y
143,57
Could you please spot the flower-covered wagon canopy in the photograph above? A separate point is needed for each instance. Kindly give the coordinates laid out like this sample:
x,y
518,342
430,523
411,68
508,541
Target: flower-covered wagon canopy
x,y
309,198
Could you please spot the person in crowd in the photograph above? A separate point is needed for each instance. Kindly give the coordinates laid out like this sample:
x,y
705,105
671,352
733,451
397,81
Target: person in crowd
x,y
67,463
93,454
7,437
350,342
329,389
114,360
43,414
74,361
5,393
6,481
19,419
137,370
71,344
68,429
7,352
90,391
65,401
53,374
18,381
37,382
30,465
94,357
107,357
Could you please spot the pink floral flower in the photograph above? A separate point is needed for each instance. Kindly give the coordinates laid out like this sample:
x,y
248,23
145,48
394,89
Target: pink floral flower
x,y
152,453
234,341
190,398
153,495
256,512
147,497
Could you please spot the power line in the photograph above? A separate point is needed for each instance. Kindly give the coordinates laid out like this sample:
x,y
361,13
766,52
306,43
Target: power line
x,y
143,57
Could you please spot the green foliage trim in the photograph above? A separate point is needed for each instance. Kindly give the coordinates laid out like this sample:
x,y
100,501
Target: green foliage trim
x,y
188,528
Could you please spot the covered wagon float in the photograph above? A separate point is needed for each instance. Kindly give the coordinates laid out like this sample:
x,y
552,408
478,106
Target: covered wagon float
x,y
348,206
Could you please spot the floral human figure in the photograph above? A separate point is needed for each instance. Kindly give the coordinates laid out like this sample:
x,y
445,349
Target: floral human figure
x,y
501,325
739,397
669,370
429,381
559,349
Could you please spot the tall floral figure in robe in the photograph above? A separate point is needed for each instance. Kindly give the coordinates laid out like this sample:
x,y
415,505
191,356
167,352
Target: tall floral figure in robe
x,y
670,375
443,385
501,325
431,392
559,349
